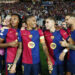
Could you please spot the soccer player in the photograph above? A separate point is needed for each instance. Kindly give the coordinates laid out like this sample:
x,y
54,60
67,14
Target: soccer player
x,y
53,38
70,19
10,35
1,54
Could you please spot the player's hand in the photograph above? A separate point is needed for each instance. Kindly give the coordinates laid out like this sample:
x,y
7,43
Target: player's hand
x,y
13,44
64,43
50,66
61,57
13,68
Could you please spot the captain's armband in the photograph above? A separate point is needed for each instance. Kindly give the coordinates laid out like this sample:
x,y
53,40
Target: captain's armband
x,y
42,39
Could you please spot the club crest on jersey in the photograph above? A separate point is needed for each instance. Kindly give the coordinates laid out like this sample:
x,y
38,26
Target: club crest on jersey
x,y
30,36
31,44
52,45
52,37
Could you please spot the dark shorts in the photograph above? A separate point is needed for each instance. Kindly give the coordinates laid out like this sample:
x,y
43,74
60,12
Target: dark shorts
x,y
58,70
71,67
30,69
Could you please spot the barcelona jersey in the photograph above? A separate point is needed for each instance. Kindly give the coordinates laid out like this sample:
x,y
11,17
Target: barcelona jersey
x,y
53,43
31,39
10,35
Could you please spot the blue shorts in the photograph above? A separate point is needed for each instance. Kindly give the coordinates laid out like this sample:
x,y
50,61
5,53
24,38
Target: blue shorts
x,y
70,67
58,70
30,68
8,68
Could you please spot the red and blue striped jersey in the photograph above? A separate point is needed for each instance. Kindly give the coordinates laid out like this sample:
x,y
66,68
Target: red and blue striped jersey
x,y
31,39
10,35
53,43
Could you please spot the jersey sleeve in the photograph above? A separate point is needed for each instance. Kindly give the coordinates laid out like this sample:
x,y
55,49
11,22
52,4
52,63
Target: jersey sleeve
x,y
3,33
64,34
41,34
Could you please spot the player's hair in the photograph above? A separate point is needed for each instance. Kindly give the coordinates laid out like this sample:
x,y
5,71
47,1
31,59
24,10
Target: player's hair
x,y
70,14
27,17
20,20
51,18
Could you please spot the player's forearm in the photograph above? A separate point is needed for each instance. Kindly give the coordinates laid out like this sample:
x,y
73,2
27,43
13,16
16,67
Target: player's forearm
x,y
4,45
18,54
70,46
62,54
45,49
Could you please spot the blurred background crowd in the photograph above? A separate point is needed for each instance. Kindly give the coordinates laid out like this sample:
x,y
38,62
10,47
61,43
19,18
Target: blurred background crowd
x,y
40,10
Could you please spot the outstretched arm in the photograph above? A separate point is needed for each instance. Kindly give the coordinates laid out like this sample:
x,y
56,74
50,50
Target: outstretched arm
x,y
45,49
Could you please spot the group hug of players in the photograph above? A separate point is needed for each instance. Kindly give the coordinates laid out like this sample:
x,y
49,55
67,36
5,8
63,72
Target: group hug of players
x,y
56,45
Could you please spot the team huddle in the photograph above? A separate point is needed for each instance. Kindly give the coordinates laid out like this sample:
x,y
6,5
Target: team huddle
x,y
57,44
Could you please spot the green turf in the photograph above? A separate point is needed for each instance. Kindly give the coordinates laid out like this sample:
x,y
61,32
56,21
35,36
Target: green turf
x,y
44,67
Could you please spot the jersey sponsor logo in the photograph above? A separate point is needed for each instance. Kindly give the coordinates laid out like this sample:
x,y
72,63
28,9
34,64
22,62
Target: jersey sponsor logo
x,y
52,45
31,44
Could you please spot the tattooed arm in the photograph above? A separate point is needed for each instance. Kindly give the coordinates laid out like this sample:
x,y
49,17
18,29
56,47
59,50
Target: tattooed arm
x,y
45,49
18,54
70,44
10,44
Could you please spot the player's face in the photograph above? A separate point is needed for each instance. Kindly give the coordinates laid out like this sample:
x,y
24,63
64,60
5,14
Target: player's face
x,y
14,20
67,19
7,22
33,22
64,24
49,23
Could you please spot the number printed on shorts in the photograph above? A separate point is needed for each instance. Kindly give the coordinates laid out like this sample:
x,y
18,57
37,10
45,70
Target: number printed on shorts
x,y
9,66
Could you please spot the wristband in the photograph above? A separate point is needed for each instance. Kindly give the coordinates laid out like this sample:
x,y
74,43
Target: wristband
x,y
65,50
